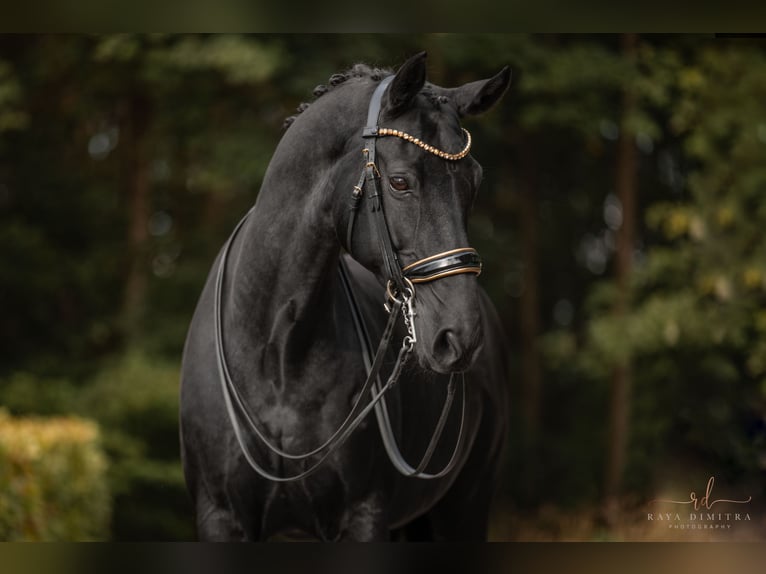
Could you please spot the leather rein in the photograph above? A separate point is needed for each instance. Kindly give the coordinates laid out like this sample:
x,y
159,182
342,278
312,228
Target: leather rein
x,y
400,289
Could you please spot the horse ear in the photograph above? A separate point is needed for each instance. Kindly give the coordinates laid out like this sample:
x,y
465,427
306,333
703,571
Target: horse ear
x,y
477,97
407,82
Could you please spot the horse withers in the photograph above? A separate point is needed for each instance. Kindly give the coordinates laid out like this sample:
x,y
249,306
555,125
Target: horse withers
x,y
364,202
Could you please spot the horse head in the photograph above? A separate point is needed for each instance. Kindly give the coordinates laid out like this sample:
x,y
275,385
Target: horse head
x,y
426,183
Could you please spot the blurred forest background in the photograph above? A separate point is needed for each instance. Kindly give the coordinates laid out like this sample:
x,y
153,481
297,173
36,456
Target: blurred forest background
x,y
621,221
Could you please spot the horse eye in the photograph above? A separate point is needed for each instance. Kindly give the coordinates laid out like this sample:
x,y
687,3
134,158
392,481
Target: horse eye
x,y
399,183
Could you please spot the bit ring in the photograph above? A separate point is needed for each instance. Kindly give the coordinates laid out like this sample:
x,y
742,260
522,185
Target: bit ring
x,y
390,290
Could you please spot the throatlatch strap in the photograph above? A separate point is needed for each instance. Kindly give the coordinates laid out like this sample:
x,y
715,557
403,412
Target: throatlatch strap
x,y
353,208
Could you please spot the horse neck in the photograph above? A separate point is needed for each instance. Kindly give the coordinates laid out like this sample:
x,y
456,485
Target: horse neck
x,y
283,271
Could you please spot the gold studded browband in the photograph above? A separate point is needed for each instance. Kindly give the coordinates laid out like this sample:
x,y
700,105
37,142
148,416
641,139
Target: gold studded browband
x,y
429,148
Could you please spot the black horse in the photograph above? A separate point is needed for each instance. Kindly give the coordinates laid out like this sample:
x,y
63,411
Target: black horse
x,y
276,313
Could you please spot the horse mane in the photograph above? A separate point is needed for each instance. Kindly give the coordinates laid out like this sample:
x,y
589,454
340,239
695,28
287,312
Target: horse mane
x,y
359,70
356,71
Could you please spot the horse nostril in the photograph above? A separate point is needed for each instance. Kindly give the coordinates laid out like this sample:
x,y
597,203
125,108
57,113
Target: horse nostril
x,y
447,348
452,353
453,343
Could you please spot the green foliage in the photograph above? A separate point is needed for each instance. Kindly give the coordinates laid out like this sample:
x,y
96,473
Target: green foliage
x,y
137,396
694,334
25,393
52,480
12,117
135,399
240,60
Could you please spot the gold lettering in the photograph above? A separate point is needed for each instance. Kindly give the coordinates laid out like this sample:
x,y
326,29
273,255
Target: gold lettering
x,y
706,501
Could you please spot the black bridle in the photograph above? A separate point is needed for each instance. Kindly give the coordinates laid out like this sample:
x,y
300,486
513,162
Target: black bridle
x,y
452,262
400,293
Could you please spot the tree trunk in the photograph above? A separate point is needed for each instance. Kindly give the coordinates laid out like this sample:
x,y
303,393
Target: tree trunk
x,y
529,316
138,206
626,187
